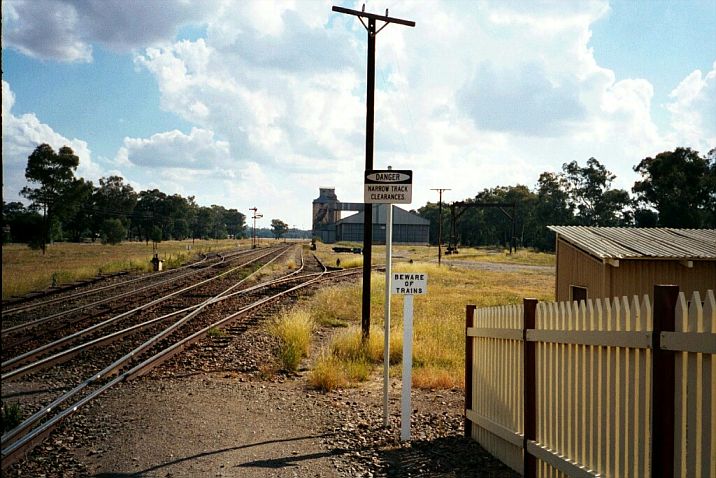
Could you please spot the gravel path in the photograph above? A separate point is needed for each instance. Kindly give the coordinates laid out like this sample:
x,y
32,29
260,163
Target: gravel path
x,y
497,266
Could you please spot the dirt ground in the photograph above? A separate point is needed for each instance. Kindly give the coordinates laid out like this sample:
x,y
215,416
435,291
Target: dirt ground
x,y
221,426
211,426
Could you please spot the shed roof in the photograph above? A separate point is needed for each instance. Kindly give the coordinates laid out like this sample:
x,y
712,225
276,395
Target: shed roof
x,y
641,243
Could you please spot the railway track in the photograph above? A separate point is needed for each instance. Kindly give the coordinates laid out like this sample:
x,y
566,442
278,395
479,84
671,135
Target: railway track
x,y
33,331
27,316
13,308
138,348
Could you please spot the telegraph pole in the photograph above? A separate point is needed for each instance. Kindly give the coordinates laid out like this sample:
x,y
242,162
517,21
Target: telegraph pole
x,y
440,222
369,130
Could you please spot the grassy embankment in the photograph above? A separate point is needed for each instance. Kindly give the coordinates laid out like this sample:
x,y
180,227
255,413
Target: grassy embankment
x,y
25,270
439,316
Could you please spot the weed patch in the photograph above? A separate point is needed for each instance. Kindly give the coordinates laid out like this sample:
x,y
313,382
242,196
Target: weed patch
x,y
11,416
293,330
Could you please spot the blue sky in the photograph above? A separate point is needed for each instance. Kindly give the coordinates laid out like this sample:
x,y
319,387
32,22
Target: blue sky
x,y
261,103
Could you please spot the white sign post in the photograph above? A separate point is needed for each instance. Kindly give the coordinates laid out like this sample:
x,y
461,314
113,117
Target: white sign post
x,y
387,186
407,284
386,319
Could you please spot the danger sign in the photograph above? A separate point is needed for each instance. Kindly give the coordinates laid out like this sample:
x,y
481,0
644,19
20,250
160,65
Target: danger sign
x,y
415,283
388,186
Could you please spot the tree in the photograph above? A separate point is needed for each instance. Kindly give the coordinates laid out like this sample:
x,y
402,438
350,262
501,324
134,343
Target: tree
x,y
590,194
55,175
113,199
278,228
552,209
235,223
218,227
79,217
681,186
149,213
113,231
21,224
155,235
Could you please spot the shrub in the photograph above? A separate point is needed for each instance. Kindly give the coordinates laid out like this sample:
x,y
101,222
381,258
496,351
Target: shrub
x,y
11,416
113,231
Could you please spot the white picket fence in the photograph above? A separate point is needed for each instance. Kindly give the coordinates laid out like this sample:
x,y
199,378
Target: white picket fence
x,y
593,386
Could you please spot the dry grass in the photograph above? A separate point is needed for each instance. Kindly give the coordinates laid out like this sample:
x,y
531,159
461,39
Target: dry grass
x,y
293,329
439,321
25,270
327,374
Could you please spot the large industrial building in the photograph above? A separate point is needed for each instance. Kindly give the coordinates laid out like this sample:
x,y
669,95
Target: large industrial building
x,y
408,228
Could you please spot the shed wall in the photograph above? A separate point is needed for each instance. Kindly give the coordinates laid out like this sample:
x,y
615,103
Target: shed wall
x,y
639,276
632,277
575,267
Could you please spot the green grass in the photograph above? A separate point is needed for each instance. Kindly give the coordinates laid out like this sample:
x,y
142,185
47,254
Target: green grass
x,y
215,332
25,270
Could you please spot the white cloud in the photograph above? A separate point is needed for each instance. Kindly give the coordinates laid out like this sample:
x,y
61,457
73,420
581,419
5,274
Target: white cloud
x,y
44,29
21,135
174,149
693,110
65,30
499,89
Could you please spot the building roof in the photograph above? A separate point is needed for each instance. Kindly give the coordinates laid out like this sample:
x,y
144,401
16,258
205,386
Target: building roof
x,y
400,216
641,243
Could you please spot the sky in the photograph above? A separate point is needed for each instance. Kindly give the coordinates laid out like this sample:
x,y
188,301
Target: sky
x,y
261,103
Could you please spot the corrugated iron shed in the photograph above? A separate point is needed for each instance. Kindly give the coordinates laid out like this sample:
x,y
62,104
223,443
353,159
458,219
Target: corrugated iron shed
x,y
641,243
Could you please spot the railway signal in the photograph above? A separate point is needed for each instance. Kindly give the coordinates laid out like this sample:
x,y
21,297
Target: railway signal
x,y
254,217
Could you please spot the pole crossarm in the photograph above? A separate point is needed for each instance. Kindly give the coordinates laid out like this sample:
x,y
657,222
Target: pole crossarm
x,y
373,16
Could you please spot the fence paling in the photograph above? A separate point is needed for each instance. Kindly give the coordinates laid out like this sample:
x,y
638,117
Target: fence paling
x,y
594,370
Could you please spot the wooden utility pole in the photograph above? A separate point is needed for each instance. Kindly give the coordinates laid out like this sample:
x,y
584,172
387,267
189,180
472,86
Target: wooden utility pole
x,y
369,130
440,223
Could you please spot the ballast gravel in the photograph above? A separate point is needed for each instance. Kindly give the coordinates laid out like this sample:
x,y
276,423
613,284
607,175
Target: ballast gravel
x,y
228,424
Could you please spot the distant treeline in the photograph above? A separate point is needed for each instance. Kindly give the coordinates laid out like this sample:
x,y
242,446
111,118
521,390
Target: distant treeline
x,y
67,208
677,189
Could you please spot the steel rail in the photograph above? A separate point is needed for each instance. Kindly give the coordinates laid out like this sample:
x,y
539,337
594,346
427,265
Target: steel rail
x,y
42,320
46,348
13,451
35,305
117,364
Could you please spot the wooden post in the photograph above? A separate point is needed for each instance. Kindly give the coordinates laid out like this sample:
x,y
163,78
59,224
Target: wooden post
x,y
663,377
469,322
529,387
